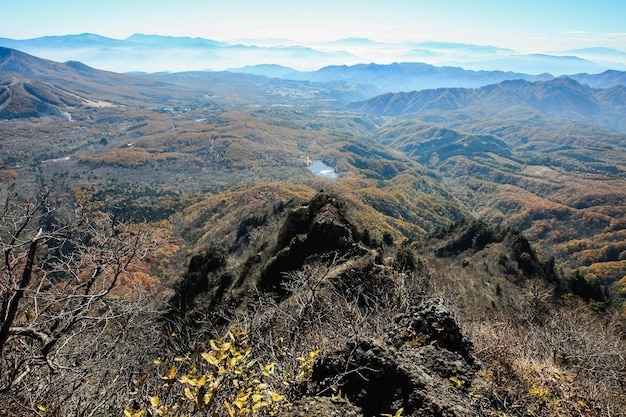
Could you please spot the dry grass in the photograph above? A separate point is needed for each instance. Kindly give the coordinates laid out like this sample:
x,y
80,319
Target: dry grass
x,y
570,362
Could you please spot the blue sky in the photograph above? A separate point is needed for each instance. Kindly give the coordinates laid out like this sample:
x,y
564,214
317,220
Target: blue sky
x,y
527,26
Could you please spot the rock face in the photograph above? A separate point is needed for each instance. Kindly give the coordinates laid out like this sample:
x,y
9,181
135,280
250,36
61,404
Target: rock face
x,y
316,228
425,366
431,324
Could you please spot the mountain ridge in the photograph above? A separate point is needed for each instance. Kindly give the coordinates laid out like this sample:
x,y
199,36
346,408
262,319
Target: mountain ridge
x,y
198,53
403,74
73,78
409,76
403,286
557,97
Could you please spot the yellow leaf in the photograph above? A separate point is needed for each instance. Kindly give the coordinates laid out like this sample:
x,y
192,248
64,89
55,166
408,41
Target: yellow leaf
x,y
456,382
397,414
155,401
269,369
215,383
210,358
128,412
276,396
189,394
233,361
171,374
41,408
142,380
260,404
230,408
187,379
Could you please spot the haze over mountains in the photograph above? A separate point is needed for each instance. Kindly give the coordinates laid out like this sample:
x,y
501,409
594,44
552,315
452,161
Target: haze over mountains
x,y
501,192
560,97
515,122
152,53
599,99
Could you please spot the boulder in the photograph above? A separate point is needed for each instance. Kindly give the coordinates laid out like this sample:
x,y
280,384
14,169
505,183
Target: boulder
x,y
424,366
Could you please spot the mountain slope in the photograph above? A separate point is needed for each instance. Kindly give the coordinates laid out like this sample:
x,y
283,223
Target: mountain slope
x,y
606,79
409,76
152,53
559,97
304,274
561,183
90,84
14,62
34,99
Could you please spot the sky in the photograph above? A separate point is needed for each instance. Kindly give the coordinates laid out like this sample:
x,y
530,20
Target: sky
x,y
527,26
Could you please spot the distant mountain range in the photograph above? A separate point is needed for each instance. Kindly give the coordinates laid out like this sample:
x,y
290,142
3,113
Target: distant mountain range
x,y
402,76
31,86
561,97
155,53
411,76
140,53
35,87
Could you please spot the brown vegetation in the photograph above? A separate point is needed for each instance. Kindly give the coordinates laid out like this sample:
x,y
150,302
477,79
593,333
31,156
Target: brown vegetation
x,y
241,237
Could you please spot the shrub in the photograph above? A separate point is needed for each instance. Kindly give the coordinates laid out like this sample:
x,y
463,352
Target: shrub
x,y
224,379
405,259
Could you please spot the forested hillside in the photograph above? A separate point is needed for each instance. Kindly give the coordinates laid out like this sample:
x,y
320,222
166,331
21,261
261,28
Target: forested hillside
x,y
169,251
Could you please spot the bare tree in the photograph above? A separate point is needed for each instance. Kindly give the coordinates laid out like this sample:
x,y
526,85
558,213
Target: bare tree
x,y
305,286
68,300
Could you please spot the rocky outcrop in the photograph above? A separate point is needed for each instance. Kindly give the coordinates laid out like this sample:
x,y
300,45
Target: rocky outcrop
x,y
424,366
313,229
204,275
430,323
468,237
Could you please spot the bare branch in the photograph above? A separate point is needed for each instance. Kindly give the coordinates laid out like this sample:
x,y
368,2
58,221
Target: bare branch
x,y
62,312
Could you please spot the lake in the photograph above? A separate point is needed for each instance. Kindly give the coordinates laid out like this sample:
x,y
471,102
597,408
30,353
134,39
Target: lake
x,y
322,170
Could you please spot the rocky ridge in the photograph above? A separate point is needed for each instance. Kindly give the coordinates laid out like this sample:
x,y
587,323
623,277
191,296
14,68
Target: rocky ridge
x,y
387,342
